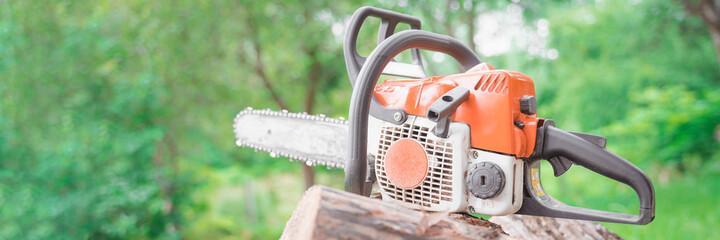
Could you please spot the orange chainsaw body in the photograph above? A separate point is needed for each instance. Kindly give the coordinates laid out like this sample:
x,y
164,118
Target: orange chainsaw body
x,y
491,110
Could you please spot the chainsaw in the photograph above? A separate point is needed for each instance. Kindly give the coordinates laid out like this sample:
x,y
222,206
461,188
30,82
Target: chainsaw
x,y
468,142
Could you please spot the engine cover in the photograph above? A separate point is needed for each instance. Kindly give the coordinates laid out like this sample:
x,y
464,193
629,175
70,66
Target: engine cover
x,y
436,181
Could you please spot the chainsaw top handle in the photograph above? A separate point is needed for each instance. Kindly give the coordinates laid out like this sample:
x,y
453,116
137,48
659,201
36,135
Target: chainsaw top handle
x,y
362,97
389,21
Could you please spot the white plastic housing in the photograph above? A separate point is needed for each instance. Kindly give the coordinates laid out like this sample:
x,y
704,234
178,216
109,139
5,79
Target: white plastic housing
x,y
444,187
509,199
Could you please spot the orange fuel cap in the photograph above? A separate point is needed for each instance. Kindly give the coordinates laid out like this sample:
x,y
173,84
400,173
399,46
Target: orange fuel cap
x,y
406,163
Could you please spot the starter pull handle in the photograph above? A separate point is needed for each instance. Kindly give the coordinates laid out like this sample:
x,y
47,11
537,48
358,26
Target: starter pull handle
x,y
559,143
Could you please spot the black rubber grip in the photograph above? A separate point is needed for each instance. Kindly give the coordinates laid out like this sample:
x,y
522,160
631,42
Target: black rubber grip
x,y
559,143
368,77
390,19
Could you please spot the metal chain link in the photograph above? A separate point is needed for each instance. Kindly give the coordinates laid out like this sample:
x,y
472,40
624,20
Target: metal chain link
x,y
288,115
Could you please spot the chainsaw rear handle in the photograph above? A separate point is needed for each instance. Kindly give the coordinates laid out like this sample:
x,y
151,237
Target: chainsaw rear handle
x,y
559,143
390,20
367,78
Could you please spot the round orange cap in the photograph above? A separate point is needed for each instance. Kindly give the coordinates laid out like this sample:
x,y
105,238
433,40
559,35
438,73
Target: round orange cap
x,y
406,163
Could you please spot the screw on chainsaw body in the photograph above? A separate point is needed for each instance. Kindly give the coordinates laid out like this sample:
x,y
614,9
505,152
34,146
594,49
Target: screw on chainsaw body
x,y
397,116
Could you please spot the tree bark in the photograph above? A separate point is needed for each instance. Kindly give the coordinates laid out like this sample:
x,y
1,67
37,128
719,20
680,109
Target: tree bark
x,y
470,18
312,81
709,12
260,71
313,77
533,227
325,213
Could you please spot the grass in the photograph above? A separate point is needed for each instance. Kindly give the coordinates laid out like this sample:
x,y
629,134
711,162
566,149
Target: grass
x,y
686,208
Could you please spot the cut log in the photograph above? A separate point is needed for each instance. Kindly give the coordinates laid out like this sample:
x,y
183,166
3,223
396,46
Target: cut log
x,y
533,227
325,213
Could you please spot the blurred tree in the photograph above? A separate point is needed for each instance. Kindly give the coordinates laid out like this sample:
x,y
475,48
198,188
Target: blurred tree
x,y
312,66
709,12
632,88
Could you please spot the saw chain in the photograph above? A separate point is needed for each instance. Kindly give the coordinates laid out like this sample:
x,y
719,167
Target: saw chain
x,y
311,139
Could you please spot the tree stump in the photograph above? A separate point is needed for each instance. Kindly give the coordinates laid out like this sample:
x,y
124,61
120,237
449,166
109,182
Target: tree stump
x,y
325,213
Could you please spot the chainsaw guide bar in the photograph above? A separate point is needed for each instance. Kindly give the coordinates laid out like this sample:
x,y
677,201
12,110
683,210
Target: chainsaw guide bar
x,y
312,139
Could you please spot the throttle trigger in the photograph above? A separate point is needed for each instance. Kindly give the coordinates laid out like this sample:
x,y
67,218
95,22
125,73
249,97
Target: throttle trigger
x,y
560,165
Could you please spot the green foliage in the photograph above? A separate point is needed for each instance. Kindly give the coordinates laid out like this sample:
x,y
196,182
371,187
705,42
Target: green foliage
x,y
115,116
645,75
653,94
676,124
611,52
82,141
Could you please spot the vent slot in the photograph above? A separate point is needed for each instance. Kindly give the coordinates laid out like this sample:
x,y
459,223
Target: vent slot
x,y
437,187
492,82
513,183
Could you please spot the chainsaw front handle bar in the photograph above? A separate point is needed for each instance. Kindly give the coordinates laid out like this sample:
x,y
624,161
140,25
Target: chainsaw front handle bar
x,y
368,76
554,142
